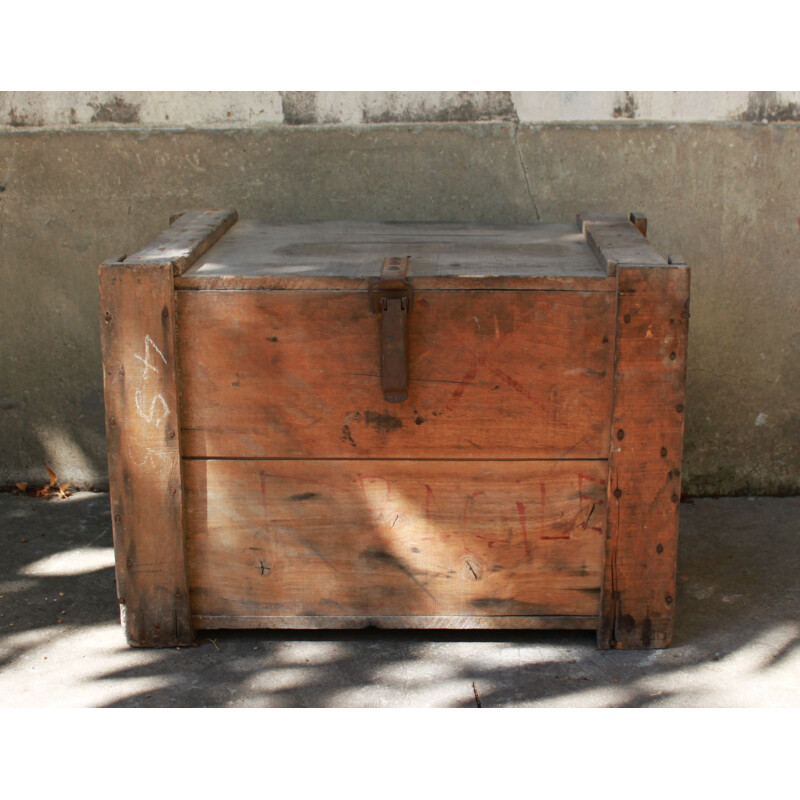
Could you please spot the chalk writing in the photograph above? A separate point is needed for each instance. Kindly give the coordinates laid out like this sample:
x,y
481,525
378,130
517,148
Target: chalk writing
x,y
151,407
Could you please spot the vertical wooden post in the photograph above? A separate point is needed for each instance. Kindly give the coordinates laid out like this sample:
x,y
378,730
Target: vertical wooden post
x,y
644,467
638,600
138,315
137,319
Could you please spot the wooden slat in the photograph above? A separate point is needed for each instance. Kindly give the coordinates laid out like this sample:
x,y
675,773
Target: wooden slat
x,y
187,238
617,242
334,254
476,282
645,460
491,375
139,375
397,622
372,538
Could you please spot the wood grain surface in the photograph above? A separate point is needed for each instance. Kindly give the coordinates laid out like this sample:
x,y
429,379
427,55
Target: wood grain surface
x,y
617,242
254,249
417,621
645,459
294,374
141,394
373,538
530,480
187,238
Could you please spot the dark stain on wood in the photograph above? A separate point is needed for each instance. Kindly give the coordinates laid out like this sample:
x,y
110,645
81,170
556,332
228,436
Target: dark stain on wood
x,y
647,628
385,423
505,605
306,542
303,496
382,557
347,436
628,623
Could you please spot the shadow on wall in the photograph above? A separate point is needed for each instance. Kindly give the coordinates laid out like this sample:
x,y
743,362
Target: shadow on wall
x,y
737,637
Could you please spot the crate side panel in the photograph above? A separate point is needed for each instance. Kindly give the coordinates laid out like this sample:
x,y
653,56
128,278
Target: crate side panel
x,y
379,538
293,374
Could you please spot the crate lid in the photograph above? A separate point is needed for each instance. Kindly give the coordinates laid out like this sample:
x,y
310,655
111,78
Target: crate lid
x,y
254,254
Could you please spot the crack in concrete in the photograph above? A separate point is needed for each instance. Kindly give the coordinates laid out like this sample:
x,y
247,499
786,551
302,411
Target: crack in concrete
x,y
525,175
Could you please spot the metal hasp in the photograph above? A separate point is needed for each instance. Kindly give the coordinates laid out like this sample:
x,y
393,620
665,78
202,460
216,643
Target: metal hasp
x,y
391,296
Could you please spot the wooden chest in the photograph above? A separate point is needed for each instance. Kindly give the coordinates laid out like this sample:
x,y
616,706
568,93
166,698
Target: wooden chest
x,y
341,424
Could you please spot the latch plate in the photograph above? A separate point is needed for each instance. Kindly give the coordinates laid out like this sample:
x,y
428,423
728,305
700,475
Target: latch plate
x,y
392,296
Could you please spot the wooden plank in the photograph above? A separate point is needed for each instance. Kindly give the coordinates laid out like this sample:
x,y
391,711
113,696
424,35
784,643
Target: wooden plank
x,y
188,237
617,242
289,255
475,282
142,426
419,621
376,538
491,375
645,459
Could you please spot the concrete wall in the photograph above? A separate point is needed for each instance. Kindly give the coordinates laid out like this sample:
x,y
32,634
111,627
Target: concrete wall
x,y
84,176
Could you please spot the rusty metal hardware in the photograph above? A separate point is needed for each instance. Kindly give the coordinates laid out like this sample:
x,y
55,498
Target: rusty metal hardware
x,y
392,296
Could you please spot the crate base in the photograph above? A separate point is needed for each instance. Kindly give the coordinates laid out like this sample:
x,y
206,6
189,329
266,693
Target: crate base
x,y
396,622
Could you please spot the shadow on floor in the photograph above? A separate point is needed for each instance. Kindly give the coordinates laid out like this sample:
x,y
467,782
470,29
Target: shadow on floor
x,y
736,636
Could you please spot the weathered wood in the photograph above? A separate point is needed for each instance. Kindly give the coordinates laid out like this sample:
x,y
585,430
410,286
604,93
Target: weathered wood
x,y
539,283
491,375
376,538
644,464
417,621
334,255
617,242
189,236
142,425
481,501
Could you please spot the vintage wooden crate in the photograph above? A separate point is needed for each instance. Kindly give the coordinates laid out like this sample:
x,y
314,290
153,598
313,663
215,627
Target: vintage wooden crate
x,y
303,435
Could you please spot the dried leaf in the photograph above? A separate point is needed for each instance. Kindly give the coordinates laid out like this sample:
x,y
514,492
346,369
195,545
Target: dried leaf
x,y
53,478
22,486
62,490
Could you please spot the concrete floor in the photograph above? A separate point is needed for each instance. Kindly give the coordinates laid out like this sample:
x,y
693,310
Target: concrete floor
x,y
737,634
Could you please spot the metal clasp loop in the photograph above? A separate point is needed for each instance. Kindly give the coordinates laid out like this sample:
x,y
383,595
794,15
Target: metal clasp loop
x,y
392,296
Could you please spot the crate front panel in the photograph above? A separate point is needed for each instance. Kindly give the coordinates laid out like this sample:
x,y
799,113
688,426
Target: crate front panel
x,y
369,537
492,374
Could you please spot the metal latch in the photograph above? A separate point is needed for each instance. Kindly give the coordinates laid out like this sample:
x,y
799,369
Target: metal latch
x,y
391,296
